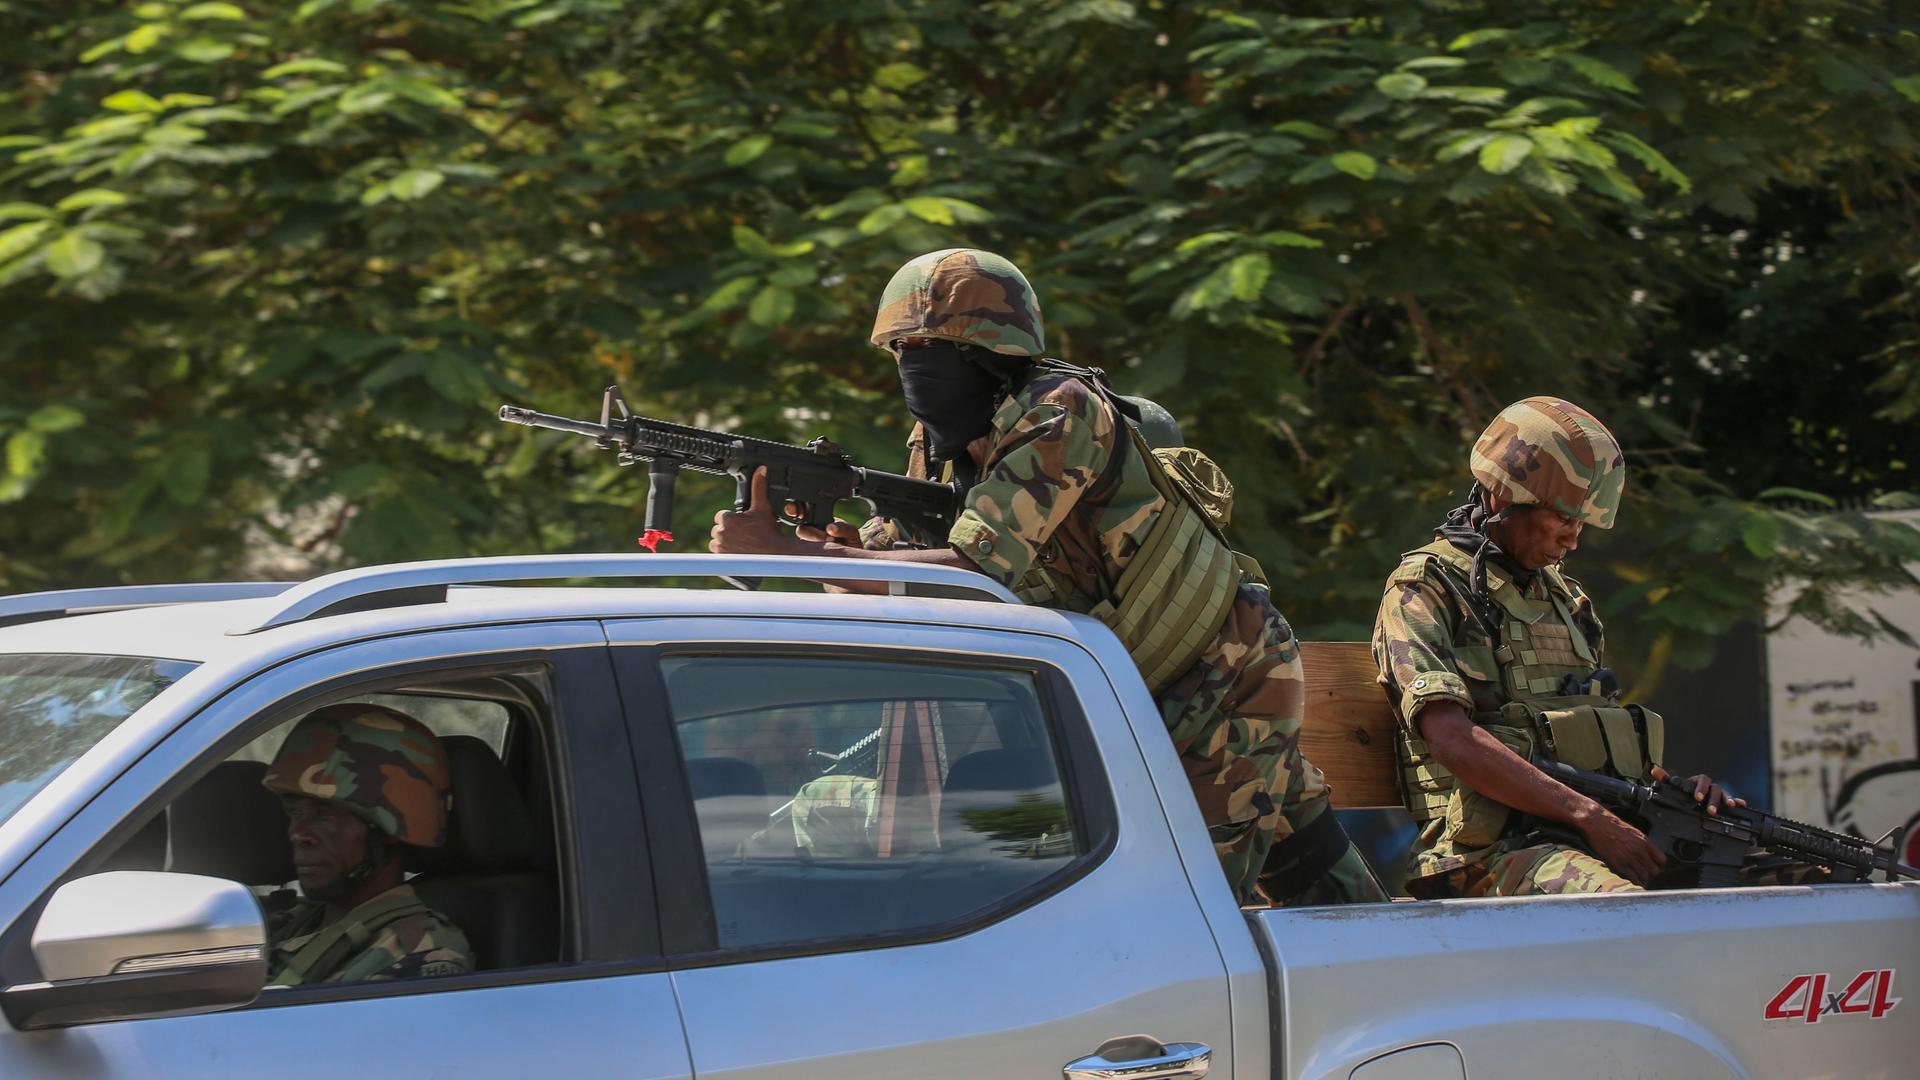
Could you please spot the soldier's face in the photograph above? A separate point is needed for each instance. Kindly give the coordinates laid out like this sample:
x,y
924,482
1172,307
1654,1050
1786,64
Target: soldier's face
x,y
327,842
1537,537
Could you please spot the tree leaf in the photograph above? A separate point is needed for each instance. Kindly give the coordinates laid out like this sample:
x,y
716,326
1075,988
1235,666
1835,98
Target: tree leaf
x,y
229,12
1401,85
1285,239
1648,156
899,75
415,184
186,473
1305,129
772,307
132,101
55,417
1247,276
312,65
1477,37
21,238
144,37
1908,87
1356,164
90,198
204,50
1796,494
1503,153
74,254
1761,533
1599,72
881,219
15,211
751,242
25,451
929,208
1433,63
747,150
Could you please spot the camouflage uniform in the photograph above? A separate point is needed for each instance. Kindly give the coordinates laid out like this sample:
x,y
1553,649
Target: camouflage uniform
x,y
1045,496
1536,629
412,946
1420,624
390,771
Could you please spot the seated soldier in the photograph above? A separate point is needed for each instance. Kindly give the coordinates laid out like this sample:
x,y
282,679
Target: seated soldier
x,y
361,784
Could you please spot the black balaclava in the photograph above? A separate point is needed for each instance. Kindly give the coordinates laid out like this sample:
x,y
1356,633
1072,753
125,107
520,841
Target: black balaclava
x,y
952,390
1466,528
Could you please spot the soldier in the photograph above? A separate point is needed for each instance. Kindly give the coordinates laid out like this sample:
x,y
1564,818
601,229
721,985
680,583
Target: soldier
x,y
361,783
1490,654
1063,500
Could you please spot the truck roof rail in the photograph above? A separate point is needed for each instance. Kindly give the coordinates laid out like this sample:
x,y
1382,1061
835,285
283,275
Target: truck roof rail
x,y
400,584
42,606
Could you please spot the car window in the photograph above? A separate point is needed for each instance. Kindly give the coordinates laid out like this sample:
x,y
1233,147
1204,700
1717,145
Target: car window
x,y
444,716
841,797
491,878
54,707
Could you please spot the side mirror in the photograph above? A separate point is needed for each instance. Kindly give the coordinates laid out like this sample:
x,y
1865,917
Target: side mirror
x,y
137,943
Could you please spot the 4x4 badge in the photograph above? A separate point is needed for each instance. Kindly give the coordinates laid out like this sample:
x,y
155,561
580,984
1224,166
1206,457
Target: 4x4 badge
x,y
1807,997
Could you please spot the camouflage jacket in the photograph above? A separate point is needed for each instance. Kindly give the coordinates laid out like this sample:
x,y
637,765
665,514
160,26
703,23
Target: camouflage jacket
x,y
1428,647
1048,492
1421,625
414,946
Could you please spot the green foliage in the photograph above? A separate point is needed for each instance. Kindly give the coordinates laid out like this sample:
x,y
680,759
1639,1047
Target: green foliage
x,y
266,269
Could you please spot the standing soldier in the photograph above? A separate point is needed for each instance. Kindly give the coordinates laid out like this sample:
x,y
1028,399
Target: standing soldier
x,y
1490,654
1068,507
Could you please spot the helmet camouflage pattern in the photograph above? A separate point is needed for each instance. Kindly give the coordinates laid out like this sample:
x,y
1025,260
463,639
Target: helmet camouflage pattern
x,y
379,763
1545,451
965,295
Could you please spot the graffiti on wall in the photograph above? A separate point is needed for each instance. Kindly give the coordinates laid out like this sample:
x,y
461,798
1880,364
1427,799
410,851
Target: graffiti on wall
x,y
1846,728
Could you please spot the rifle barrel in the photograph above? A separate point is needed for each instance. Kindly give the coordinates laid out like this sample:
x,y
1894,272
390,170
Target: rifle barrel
x,y
514,414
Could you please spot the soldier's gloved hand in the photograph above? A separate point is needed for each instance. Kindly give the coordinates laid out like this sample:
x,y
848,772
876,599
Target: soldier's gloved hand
x,y
836,532
1622,847
1704,790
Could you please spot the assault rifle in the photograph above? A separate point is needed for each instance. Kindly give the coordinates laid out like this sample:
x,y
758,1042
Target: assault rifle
x,y
1710,848
804,483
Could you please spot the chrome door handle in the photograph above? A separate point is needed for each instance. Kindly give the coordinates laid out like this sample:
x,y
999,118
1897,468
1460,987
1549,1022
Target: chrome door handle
x,y
1141,1057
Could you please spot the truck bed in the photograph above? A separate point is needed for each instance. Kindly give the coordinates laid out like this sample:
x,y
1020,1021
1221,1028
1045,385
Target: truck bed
x,y
1706,983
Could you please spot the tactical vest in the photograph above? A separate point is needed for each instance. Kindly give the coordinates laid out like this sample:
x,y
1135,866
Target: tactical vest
x,y
1173,596
331,946
1538,646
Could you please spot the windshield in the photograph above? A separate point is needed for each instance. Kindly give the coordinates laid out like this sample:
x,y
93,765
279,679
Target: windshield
x,y
54,707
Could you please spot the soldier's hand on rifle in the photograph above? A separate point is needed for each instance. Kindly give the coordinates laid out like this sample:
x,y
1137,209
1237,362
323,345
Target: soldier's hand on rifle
x,y
754,531
1622,847
1704,790
836,532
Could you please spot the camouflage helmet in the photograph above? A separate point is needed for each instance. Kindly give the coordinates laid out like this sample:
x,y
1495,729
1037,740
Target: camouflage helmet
x,y
1545,451
1156,424
965,295
379,763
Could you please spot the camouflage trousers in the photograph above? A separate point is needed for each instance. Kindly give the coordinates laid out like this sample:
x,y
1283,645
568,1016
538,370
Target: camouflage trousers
x,y
1234,717
1554,869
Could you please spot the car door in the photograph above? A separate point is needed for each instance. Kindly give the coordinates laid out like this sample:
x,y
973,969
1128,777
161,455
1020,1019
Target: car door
x,y
907,851
598,1003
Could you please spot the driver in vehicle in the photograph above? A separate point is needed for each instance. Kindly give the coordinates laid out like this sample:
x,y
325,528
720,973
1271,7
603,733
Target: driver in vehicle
x,y
361,785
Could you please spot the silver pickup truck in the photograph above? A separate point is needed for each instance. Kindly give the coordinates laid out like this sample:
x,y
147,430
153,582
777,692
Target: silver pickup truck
x,y
720,833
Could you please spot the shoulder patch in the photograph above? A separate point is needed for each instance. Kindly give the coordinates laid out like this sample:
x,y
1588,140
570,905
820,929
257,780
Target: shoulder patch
x,y
1412,568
